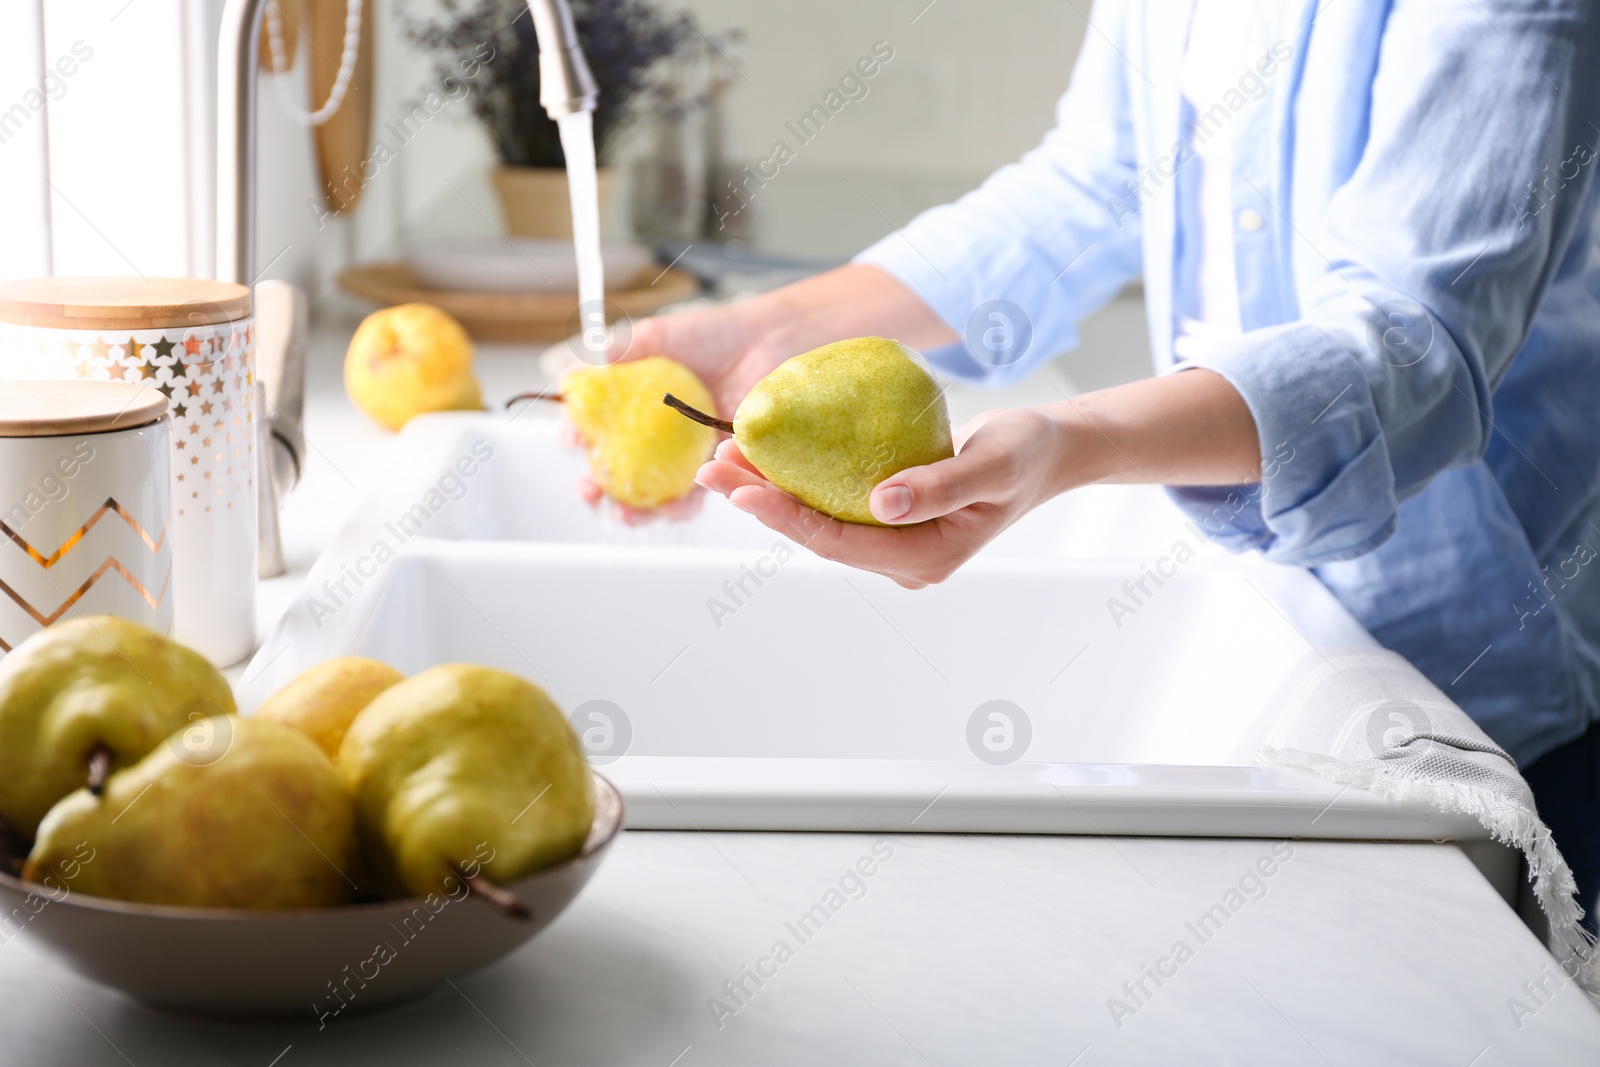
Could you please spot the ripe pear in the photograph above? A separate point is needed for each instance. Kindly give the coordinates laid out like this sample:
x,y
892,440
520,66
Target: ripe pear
x,y
640,453
323,700
265,823
827,426
408,359
464,768
94,683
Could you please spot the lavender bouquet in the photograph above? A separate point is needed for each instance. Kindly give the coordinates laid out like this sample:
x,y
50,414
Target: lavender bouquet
x,y
622,40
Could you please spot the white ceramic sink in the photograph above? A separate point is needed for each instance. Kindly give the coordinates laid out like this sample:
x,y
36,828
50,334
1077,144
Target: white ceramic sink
x,y
724,678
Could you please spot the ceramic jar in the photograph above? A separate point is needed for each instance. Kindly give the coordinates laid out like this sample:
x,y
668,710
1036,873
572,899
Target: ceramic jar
x,y
192,341
84,505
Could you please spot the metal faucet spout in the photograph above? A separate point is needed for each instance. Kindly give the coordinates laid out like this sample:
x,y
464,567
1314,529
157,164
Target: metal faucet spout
x,y
566,87
565,84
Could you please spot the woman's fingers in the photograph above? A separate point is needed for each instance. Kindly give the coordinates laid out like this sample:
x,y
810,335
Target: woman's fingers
x,y
637,339
912,556
728,451
683,508
900,554
568,435
985,469
918,494
720,476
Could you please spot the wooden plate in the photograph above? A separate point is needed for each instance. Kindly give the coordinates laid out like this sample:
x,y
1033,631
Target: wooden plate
x,y
513,316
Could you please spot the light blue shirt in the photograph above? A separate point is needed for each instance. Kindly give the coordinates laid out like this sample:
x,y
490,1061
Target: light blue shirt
x,y
1418,268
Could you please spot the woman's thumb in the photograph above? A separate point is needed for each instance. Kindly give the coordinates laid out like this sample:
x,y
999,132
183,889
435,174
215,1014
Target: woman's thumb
x,y
918,494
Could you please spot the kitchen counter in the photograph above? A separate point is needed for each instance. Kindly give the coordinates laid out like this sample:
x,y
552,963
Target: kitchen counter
x,y
956,950
693,948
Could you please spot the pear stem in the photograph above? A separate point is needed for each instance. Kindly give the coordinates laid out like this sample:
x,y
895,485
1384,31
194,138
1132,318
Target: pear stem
x,y
13,848
504,902
99,768
555,397
697,415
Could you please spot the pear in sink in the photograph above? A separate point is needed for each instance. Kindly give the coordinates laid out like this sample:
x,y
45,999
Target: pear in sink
x,y
827,426
257,818
640,453
464,772
85,697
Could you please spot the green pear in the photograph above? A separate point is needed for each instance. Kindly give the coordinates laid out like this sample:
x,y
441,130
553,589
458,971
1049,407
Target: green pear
x,y
255,818
827,426
462,769
97,684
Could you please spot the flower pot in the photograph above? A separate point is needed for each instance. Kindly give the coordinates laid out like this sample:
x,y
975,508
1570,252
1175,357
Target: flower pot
x,y
534,201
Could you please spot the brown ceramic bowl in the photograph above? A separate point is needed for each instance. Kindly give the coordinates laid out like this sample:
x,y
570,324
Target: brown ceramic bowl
x,y
229,962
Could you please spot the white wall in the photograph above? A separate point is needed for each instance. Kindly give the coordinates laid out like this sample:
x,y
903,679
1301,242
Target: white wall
x,y
971,86
290,214
25,252
115,119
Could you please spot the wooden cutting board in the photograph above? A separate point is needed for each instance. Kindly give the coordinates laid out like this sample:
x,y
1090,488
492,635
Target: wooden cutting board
x,y
290,14
344,142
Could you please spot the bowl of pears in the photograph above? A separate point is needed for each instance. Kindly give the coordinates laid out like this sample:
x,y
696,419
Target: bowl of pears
x,y
361,838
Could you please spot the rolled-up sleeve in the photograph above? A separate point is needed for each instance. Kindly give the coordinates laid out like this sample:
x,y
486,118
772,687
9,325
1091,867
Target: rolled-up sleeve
x,y
1052,234
1420,280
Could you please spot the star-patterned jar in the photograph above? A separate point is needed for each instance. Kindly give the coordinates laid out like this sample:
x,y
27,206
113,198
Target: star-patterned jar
x,y
192,339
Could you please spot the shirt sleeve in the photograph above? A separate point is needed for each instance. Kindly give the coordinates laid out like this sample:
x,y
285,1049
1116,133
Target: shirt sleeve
x,y
1013,266
1423,276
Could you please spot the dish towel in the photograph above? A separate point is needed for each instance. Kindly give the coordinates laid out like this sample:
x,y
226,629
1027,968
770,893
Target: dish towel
x,y
1367,719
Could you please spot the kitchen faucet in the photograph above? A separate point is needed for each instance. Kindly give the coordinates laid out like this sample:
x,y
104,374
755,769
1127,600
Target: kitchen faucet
x,y
566,87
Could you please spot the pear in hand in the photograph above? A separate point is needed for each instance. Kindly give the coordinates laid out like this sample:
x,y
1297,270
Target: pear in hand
x,y
96,692
462,767
321,701
640,453
254,817
827,426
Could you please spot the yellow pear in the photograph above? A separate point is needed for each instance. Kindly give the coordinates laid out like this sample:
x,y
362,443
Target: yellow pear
x,y
94,683
322,700
408,359
464,768
259,819
640,453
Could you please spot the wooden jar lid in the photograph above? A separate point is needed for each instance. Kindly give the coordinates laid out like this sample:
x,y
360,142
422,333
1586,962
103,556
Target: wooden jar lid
x,y
58,409
122,303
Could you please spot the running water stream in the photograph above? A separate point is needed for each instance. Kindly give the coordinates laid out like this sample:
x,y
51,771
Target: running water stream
x,y
577,142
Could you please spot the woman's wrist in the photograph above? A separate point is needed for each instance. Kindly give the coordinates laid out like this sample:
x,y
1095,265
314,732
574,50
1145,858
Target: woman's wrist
x,y
1082,452
1188,428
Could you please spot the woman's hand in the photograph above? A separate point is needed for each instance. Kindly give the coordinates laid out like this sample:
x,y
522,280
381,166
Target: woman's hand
x,y
732,347
1190,428
727,347
1008,462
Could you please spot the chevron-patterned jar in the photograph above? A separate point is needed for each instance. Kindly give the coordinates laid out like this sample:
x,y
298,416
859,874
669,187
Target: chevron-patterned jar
x,y
84,505
192,342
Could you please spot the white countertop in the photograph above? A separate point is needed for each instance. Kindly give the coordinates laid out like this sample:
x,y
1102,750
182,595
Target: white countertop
x,y
957,949
960,950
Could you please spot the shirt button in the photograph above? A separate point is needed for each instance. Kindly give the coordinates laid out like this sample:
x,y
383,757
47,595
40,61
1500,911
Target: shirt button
x,y
1250,220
